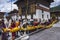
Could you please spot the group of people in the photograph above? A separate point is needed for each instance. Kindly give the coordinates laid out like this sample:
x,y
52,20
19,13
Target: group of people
x,y
16,21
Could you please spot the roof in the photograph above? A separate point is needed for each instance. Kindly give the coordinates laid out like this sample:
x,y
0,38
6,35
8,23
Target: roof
x,y
50,1
34,0
2,12
14,11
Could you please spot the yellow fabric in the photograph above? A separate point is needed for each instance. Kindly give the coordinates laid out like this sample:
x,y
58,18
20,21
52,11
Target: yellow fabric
x,y
28,27
6,29
49,26
15,29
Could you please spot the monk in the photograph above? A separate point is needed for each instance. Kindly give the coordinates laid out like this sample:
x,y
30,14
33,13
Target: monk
x,y
4,34
13,26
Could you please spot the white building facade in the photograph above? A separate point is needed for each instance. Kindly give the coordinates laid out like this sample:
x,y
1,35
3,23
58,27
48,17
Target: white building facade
x,y
40,14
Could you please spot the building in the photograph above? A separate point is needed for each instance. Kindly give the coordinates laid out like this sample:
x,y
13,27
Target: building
x,y
39,9
12,12
2,14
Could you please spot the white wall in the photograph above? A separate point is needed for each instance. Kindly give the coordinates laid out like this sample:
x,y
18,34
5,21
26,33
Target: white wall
x,y
45,15
39,14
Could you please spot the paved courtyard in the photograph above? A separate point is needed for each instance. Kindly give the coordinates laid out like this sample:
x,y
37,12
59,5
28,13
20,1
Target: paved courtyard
x,y
57,24
48,34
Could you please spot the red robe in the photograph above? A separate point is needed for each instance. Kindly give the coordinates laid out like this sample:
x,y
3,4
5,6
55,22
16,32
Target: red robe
x,y
13,26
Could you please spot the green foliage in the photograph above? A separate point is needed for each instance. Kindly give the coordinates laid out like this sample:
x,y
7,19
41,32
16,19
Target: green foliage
x,y
54,9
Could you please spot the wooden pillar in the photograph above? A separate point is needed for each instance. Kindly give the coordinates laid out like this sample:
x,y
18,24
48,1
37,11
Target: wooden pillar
x,y
20,12
33,9
26,1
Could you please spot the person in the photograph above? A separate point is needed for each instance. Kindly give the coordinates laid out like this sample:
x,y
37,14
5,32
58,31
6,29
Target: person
x,y
35,22
39,21
4,34
0,34
11,27
43,21
28,21
46,22
17,24
1,31
6,22
14,17
31,22
24,23
10,21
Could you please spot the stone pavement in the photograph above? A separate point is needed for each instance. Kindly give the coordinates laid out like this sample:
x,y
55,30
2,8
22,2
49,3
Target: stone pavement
x,y
57,24
48,34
